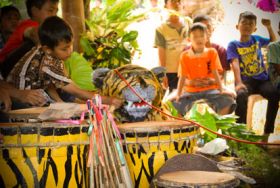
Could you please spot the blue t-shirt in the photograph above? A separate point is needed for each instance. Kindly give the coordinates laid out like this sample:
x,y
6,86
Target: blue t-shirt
x,y
249,56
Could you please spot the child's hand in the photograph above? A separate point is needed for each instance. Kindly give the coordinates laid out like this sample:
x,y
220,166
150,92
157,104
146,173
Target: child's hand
x,y
177,98
6,100
266,22
33,97
240,86
201,82
228,91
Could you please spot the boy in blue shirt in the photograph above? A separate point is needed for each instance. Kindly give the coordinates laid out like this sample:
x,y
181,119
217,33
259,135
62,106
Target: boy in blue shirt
x,y
250,73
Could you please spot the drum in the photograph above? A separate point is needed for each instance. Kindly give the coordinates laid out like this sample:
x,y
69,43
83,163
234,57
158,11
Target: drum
x,y
43,155
147,145
198,179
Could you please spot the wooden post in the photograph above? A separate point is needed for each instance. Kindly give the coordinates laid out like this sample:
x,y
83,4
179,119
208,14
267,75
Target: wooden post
x,y
73,13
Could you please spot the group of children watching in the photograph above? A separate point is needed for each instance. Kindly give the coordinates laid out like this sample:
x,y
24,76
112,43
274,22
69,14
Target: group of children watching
x,y
200,67
202,63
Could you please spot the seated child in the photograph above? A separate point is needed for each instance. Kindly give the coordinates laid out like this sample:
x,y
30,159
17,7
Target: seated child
x,y
9,20
43,67
274,62
222,52
198,72
250,73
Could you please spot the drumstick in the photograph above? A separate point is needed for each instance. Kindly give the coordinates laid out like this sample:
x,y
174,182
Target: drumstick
x,y
103,135
114,133
109,152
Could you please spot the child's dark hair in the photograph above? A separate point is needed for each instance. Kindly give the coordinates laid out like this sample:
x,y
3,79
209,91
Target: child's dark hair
x,y
54,30
247,15
197,26
36,3
6,9
201,18
165,1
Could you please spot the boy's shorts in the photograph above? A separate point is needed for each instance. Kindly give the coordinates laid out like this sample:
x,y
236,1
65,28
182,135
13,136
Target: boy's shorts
x,y
212,97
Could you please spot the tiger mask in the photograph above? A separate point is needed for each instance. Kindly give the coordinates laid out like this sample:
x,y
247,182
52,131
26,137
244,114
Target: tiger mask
x,y
147,83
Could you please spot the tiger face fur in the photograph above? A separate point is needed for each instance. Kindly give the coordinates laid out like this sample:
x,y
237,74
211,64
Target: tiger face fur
x,y
147,83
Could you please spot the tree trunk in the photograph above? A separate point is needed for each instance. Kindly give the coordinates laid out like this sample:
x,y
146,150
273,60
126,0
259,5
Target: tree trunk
x,y
73,13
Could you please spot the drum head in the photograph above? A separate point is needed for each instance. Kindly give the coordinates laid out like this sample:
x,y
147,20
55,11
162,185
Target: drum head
x,y
153,126
196,179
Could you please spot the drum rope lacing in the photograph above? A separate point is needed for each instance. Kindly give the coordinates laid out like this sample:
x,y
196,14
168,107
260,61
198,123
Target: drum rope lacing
x,y
196,124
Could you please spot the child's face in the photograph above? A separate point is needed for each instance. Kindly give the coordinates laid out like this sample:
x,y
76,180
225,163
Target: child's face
x,y
209,29
173,5
47,10
63,50
198,38
246,26
10,21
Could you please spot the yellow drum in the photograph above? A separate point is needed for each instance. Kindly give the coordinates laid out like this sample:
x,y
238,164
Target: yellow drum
x,y
199,179
43,155
147,145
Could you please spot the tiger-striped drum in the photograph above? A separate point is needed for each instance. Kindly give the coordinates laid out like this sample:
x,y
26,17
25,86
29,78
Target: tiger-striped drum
x,y
43,155
147,145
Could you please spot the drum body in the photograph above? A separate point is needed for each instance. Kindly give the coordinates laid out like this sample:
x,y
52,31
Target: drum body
x,y
43,155
147,145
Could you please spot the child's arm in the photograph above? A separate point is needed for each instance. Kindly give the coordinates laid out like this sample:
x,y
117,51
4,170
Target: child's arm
x,y
267,24
84,95
162,63
180,86
53,94
237,76
32,34
33,97
217,79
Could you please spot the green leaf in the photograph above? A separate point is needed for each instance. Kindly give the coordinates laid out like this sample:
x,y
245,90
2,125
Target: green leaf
x,y
132,35
80,71
85,44
207,119
171,108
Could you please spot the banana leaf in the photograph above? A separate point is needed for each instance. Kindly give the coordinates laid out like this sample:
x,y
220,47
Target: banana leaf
x,y
206,119
80,71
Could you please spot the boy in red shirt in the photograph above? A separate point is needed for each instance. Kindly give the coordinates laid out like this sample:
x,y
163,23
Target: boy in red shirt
x,y
38,11
199,73
9,20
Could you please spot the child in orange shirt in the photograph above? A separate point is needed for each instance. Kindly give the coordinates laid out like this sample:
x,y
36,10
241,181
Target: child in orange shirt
x,y
198,73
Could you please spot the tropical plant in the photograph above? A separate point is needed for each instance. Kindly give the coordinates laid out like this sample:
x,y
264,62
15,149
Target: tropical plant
x,y
5,3
254,157
107,43
226,124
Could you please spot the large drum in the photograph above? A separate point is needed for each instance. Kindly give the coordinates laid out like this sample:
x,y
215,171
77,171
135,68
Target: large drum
x,y
43,155
147,145
198,179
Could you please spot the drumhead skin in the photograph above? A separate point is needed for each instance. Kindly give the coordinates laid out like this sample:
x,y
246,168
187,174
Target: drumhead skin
x,y
148,126
196,179
148,145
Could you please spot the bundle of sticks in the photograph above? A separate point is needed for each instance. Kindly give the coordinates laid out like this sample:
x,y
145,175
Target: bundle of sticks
x,y
106,158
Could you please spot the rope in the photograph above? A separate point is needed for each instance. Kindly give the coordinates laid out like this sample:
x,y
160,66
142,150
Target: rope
x,y
196,124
